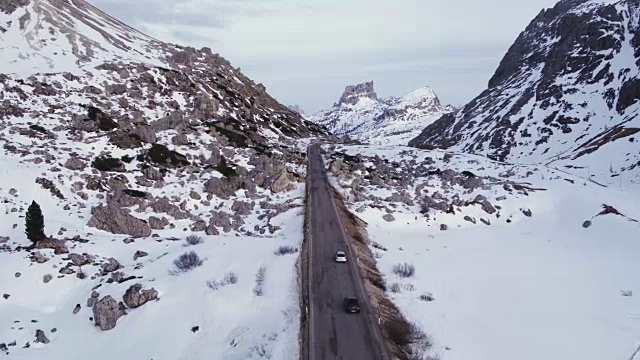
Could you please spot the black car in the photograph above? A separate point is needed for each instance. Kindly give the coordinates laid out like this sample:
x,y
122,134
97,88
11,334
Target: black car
x,y
351,305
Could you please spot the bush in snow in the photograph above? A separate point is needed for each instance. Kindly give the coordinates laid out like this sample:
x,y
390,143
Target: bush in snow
x,y
394,288
426,297
187,261
229,278
262,351
284,250
626,293
258,290
404,333
405,270
194,240
34,223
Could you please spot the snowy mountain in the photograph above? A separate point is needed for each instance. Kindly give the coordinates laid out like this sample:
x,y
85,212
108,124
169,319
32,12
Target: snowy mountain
x,y
361,115
566,93
129,145
493,259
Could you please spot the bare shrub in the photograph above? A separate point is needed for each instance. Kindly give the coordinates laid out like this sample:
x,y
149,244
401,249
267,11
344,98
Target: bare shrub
x,y
395,288
626,293
426,297
408,287
262,351
228,279
258,290
378,246
403,333
194,240
284,250
187,261
405,270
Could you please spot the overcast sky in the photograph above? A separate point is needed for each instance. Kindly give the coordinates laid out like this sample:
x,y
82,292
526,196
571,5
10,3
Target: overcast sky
x,y
306,51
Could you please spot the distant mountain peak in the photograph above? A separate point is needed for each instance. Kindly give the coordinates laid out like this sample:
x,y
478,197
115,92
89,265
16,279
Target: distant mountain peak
x,y
388,121
353,93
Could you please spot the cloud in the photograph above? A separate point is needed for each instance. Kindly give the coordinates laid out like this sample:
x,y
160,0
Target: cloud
x,y
305,52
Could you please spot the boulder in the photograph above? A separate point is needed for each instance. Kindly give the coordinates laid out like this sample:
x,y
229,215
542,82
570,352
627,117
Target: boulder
x,y
78,259
138,254
74,163
111,266
157,223
106,312
241,207
388,218
41,337
135,297
113,219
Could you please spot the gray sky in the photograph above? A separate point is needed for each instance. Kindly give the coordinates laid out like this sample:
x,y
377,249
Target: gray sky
x,y
306,51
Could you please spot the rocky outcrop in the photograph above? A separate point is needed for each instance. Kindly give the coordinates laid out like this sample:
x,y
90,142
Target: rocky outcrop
x,y
353,93
113,219
106,312
534,109
135,297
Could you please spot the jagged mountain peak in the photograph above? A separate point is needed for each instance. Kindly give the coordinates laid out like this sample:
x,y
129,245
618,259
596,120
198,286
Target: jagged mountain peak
x,y
361,115
353,93
566,92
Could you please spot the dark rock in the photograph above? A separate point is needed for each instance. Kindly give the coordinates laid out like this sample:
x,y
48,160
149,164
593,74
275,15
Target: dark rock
x,y
74,163
41,337
138,254
114,220
106,312
135,297
77,309
586,224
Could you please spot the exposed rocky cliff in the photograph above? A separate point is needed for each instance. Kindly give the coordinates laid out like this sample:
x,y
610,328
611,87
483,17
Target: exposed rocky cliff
x,y
566,92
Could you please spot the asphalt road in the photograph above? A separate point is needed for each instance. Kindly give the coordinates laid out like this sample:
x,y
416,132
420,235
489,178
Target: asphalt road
x,y
333,334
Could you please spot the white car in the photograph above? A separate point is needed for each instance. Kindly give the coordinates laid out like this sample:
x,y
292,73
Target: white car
x,y
341,257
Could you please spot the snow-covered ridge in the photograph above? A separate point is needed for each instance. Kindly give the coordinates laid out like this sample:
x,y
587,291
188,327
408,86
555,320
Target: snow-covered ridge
x,y
361,115
129,145
566,94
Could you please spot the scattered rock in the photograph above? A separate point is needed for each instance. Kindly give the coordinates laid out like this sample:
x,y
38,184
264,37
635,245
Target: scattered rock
x,y
46,278
135,297
586,224
139,254
41,337
470,219
113,219
77,309
18,274
195,328
107,311
111,266
37,257
527,212
444,227
389,218
79,260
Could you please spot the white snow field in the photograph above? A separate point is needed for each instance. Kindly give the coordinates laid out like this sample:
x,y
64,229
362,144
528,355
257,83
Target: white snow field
x,y
538,287
234,323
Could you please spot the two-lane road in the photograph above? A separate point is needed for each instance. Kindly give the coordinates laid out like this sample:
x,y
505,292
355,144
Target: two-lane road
x,y
333,334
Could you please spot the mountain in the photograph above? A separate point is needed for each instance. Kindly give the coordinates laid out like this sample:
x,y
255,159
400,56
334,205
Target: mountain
x,y
361,115
169,184
566,93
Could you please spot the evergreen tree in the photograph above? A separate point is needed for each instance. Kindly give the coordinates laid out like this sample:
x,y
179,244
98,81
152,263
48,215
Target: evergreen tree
x,y
34,223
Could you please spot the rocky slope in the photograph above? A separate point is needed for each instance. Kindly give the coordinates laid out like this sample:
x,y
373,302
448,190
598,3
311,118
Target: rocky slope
x,y
566,93
130,144
453,233
363,116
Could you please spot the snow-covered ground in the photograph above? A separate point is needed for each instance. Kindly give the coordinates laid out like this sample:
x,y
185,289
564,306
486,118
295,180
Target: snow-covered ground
x,y
524,287
234,323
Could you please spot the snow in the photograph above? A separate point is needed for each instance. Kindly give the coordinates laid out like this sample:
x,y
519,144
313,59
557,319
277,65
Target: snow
x,y
393,121
234,323
539,287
